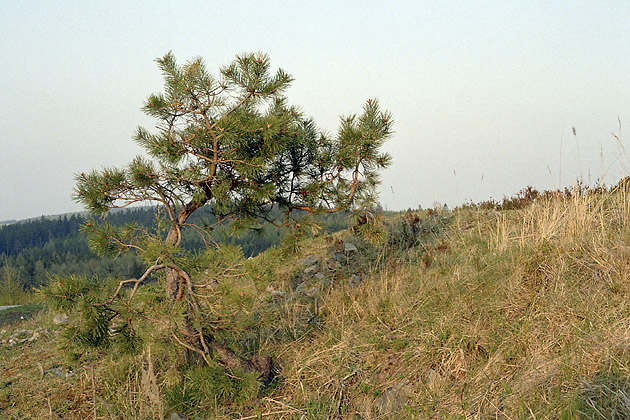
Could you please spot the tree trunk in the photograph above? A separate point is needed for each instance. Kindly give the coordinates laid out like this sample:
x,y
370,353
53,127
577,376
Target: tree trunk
x,y
263,365
175,288
173,285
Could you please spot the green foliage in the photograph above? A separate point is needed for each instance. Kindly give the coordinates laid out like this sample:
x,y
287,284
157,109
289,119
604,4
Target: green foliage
x,y
64,293
93,330
128,339
11,288
37,249
290,244
234,142
233,146
44,247
209,386
78,293
371,227
102,321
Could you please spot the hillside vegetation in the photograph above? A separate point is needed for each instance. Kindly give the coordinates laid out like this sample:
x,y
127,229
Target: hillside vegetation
x,y
479,312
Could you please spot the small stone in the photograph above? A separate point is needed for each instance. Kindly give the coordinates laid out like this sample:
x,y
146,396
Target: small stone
x,y
349,247
20,336
323,283
313,292
355,280
177,416
60,319
311,259
310,270
301,287
392,400
59,372
35,336
433,379
277,293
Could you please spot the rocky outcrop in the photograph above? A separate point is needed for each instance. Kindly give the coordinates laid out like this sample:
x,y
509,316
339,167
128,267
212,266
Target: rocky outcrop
x,y
21,336
340,261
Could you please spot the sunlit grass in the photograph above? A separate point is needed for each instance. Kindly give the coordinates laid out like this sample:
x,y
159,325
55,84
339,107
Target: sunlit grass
x,y
518,314
476,313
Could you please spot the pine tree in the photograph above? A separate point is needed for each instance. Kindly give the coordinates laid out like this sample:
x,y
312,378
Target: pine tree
x,y
231,143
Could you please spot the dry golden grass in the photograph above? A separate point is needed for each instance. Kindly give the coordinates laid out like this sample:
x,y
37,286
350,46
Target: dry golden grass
x,y
511,314
513,319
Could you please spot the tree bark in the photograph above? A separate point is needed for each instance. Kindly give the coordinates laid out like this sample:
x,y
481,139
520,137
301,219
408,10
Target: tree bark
x,y
263,364
173,284
175,288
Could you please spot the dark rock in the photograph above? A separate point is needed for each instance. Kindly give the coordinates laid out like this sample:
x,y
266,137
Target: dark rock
x,y
311,270
264,365
57,371
310,260
355,280
392,400
261,364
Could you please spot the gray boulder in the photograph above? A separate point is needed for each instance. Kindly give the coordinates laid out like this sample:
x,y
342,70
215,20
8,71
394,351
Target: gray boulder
x,y
60,319
394,399
350,248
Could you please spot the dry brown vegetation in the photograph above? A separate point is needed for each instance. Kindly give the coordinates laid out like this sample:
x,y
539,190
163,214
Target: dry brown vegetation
x,y
480,314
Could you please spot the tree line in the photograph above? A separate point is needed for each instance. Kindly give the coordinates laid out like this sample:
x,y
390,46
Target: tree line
x,y
32,251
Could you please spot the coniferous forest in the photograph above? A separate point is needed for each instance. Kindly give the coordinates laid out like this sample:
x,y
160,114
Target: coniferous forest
x,y
34,250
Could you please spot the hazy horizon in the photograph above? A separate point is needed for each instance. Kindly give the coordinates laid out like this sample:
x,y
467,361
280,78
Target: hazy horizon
x,y
485,96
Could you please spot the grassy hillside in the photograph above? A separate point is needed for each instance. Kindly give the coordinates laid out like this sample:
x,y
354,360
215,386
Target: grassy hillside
x,y
474,313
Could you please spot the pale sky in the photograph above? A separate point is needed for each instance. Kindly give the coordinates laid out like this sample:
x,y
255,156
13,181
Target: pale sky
x,y
485,94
